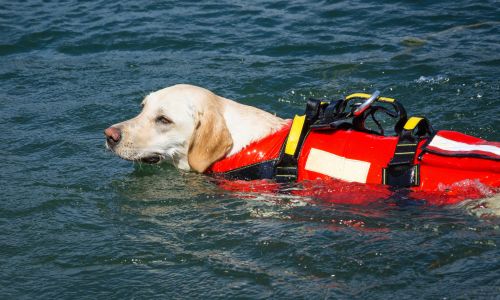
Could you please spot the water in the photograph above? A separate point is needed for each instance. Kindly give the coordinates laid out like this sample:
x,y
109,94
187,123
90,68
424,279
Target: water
x,y
77,222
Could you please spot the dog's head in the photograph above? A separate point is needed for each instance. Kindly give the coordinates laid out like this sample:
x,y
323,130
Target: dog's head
x,y
182,124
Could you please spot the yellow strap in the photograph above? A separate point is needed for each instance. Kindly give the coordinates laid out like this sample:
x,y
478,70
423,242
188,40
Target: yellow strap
x,y
366,96
294,135
412,123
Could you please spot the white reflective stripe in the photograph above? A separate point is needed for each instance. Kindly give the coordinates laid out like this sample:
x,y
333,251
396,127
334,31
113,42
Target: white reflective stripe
x,y
451,145
335,166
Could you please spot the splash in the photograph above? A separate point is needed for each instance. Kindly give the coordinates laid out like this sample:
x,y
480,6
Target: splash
x,y
457,192
484,208
340,192
438,79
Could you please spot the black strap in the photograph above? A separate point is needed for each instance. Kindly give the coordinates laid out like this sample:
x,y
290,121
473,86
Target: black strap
x,y
286,168
261,170
329,115
401,171
312,109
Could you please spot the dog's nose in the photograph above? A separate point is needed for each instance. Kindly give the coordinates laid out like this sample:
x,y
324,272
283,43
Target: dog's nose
x,y
113,136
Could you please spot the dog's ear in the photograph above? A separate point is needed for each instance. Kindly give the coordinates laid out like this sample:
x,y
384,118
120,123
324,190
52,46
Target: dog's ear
x,y
211,140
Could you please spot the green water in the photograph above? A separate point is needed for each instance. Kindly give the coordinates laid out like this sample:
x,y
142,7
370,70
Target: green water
x,y
77,222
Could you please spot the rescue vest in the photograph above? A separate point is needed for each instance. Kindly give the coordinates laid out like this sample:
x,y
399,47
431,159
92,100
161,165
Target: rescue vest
x,y
334,140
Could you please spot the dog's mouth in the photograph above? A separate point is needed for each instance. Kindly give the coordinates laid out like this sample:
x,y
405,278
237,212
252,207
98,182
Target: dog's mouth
x,y
153,159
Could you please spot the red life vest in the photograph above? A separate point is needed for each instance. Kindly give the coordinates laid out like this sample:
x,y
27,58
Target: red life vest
x,y
354,156
262,152
422,161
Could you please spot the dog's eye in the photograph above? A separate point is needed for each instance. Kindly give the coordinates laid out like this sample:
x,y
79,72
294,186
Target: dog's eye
x,y
164,120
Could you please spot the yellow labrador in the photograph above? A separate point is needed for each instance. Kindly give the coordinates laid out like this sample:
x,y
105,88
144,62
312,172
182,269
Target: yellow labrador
x,y
190,127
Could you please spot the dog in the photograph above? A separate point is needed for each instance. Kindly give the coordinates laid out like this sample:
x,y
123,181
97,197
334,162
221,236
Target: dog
x,y
197,130
189,127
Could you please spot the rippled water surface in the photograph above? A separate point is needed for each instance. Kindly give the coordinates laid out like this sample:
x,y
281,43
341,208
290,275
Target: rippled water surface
x,y
77,222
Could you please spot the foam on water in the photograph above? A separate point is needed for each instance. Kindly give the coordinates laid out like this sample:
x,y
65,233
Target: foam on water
x,y
433,79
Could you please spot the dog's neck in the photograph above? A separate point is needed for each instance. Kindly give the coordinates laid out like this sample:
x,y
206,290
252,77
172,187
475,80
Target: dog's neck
x,y
248,124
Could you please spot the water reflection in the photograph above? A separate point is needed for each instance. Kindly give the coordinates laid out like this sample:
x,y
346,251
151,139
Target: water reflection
x,y
151,182
156,190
